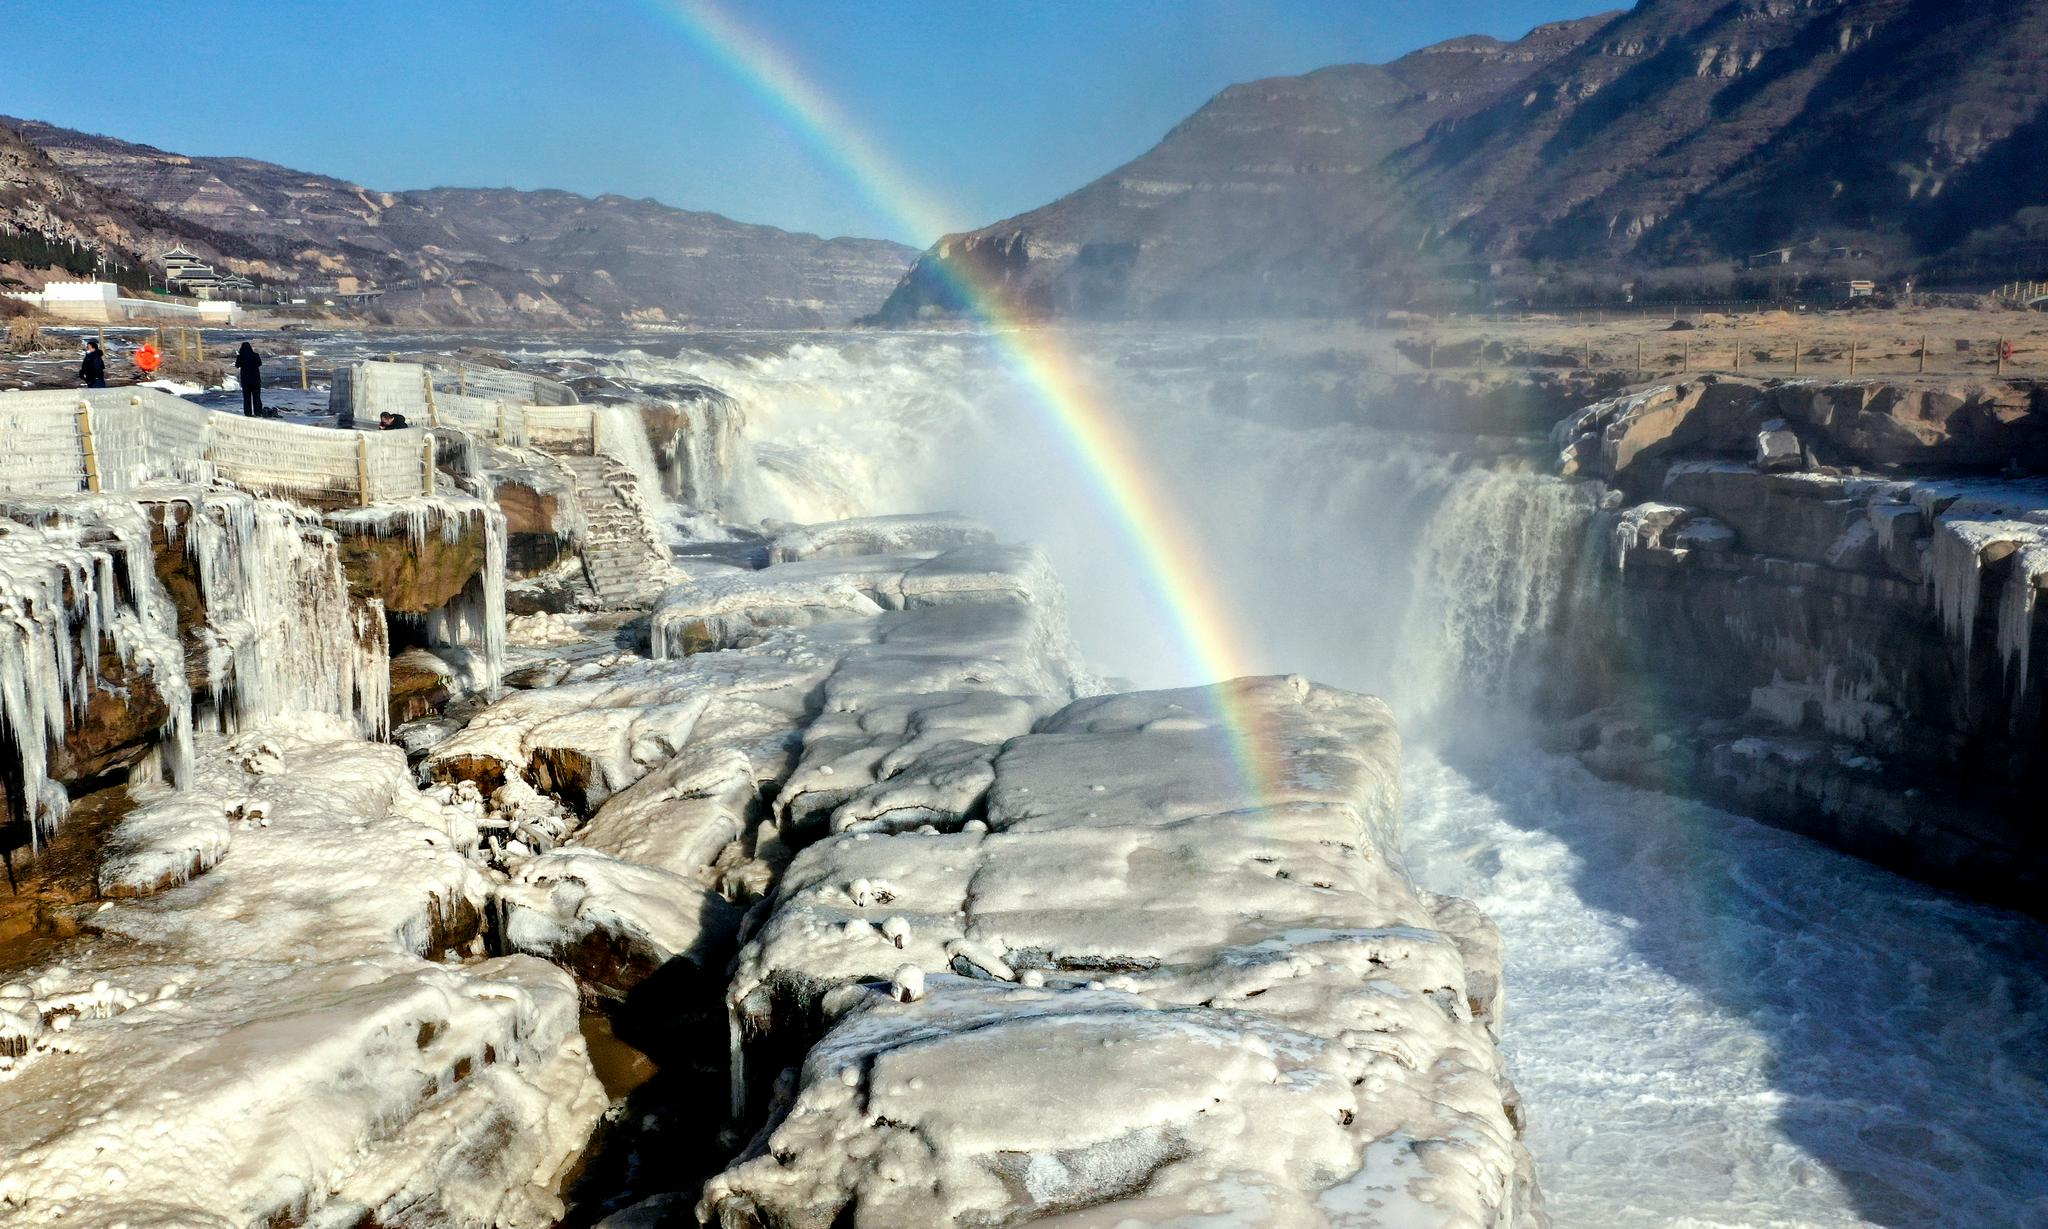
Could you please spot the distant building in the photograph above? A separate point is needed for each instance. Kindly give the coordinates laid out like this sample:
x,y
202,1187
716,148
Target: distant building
x,y
185,273
1776,256
1850,291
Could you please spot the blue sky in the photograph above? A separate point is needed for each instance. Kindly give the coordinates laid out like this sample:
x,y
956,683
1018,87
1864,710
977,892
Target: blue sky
x,y
991,107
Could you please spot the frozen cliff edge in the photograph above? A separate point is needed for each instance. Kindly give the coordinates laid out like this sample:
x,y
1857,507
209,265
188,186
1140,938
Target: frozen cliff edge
x,y
303,1029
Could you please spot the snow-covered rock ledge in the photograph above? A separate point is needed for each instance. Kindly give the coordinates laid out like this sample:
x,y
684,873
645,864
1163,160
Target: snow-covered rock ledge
x,y
1095,971
303,1031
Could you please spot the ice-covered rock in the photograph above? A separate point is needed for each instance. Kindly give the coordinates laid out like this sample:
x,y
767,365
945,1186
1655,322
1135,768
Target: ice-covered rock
x,y
613,922
267,1041
78,592
880,535
1237,1004
1778,447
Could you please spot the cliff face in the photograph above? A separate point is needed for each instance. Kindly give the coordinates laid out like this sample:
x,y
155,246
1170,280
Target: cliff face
x,y
485,256
1819,605
1680,132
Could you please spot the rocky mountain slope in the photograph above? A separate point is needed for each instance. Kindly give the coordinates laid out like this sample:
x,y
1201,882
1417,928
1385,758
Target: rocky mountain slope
x,y
1678,134
50,217
486,256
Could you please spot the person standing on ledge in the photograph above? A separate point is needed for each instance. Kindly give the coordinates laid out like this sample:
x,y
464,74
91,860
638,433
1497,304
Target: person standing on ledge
x,y
249,365
92,372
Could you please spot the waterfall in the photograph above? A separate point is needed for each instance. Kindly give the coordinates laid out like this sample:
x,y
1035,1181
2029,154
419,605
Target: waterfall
x,y
1434,576
1493,574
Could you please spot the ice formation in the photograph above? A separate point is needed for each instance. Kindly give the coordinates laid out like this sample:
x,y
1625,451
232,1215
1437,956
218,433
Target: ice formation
x,y
71,573
270,1040
1977,526
1242,1009
282,633
476,619
875,535
1021,883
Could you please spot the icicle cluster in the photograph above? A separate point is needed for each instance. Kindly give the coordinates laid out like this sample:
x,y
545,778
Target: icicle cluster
x,y
1956,572
283,634
74,575
476,620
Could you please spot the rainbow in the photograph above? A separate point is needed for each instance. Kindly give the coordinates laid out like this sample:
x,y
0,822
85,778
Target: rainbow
x,y
1181,589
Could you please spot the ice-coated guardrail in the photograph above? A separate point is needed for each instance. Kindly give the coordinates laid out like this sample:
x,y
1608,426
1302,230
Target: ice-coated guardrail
x,y
63,441
508,406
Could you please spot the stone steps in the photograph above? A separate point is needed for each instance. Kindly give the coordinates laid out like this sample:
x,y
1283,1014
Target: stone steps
x,y
626,570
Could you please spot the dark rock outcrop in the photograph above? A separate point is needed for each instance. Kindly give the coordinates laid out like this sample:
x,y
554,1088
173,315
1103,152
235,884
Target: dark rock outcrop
x,y
413,577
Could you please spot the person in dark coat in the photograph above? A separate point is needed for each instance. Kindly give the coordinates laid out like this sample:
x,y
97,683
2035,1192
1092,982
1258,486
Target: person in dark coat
x,y
388,421
92,372
249,366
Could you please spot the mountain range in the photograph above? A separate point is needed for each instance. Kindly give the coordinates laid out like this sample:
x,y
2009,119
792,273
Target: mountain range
x,y
1669,144
1667,151
443,256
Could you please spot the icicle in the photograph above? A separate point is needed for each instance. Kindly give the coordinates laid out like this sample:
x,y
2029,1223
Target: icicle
x,y
2016,613
1957,577
60,603
283,634
476,619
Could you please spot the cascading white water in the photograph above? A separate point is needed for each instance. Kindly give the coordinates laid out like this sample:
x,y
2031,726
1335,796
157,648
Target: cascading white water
x,y
901,424
1714,1024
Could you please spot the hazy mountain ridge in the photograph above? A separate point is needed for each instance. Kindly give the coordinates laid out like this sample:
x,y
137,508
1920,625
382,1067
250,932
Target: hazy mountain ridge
x,y
487,256
1679,133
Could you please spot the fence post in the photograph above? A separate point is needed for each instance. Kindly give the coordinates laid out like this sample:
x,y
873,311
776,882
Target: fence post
x,y
304,383
2001,356
1686,356
1735,352
1923,354
501,422
427,465
593,433
362,470
461,380
1795,354
1639,360
85,444
427,387
1852,358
